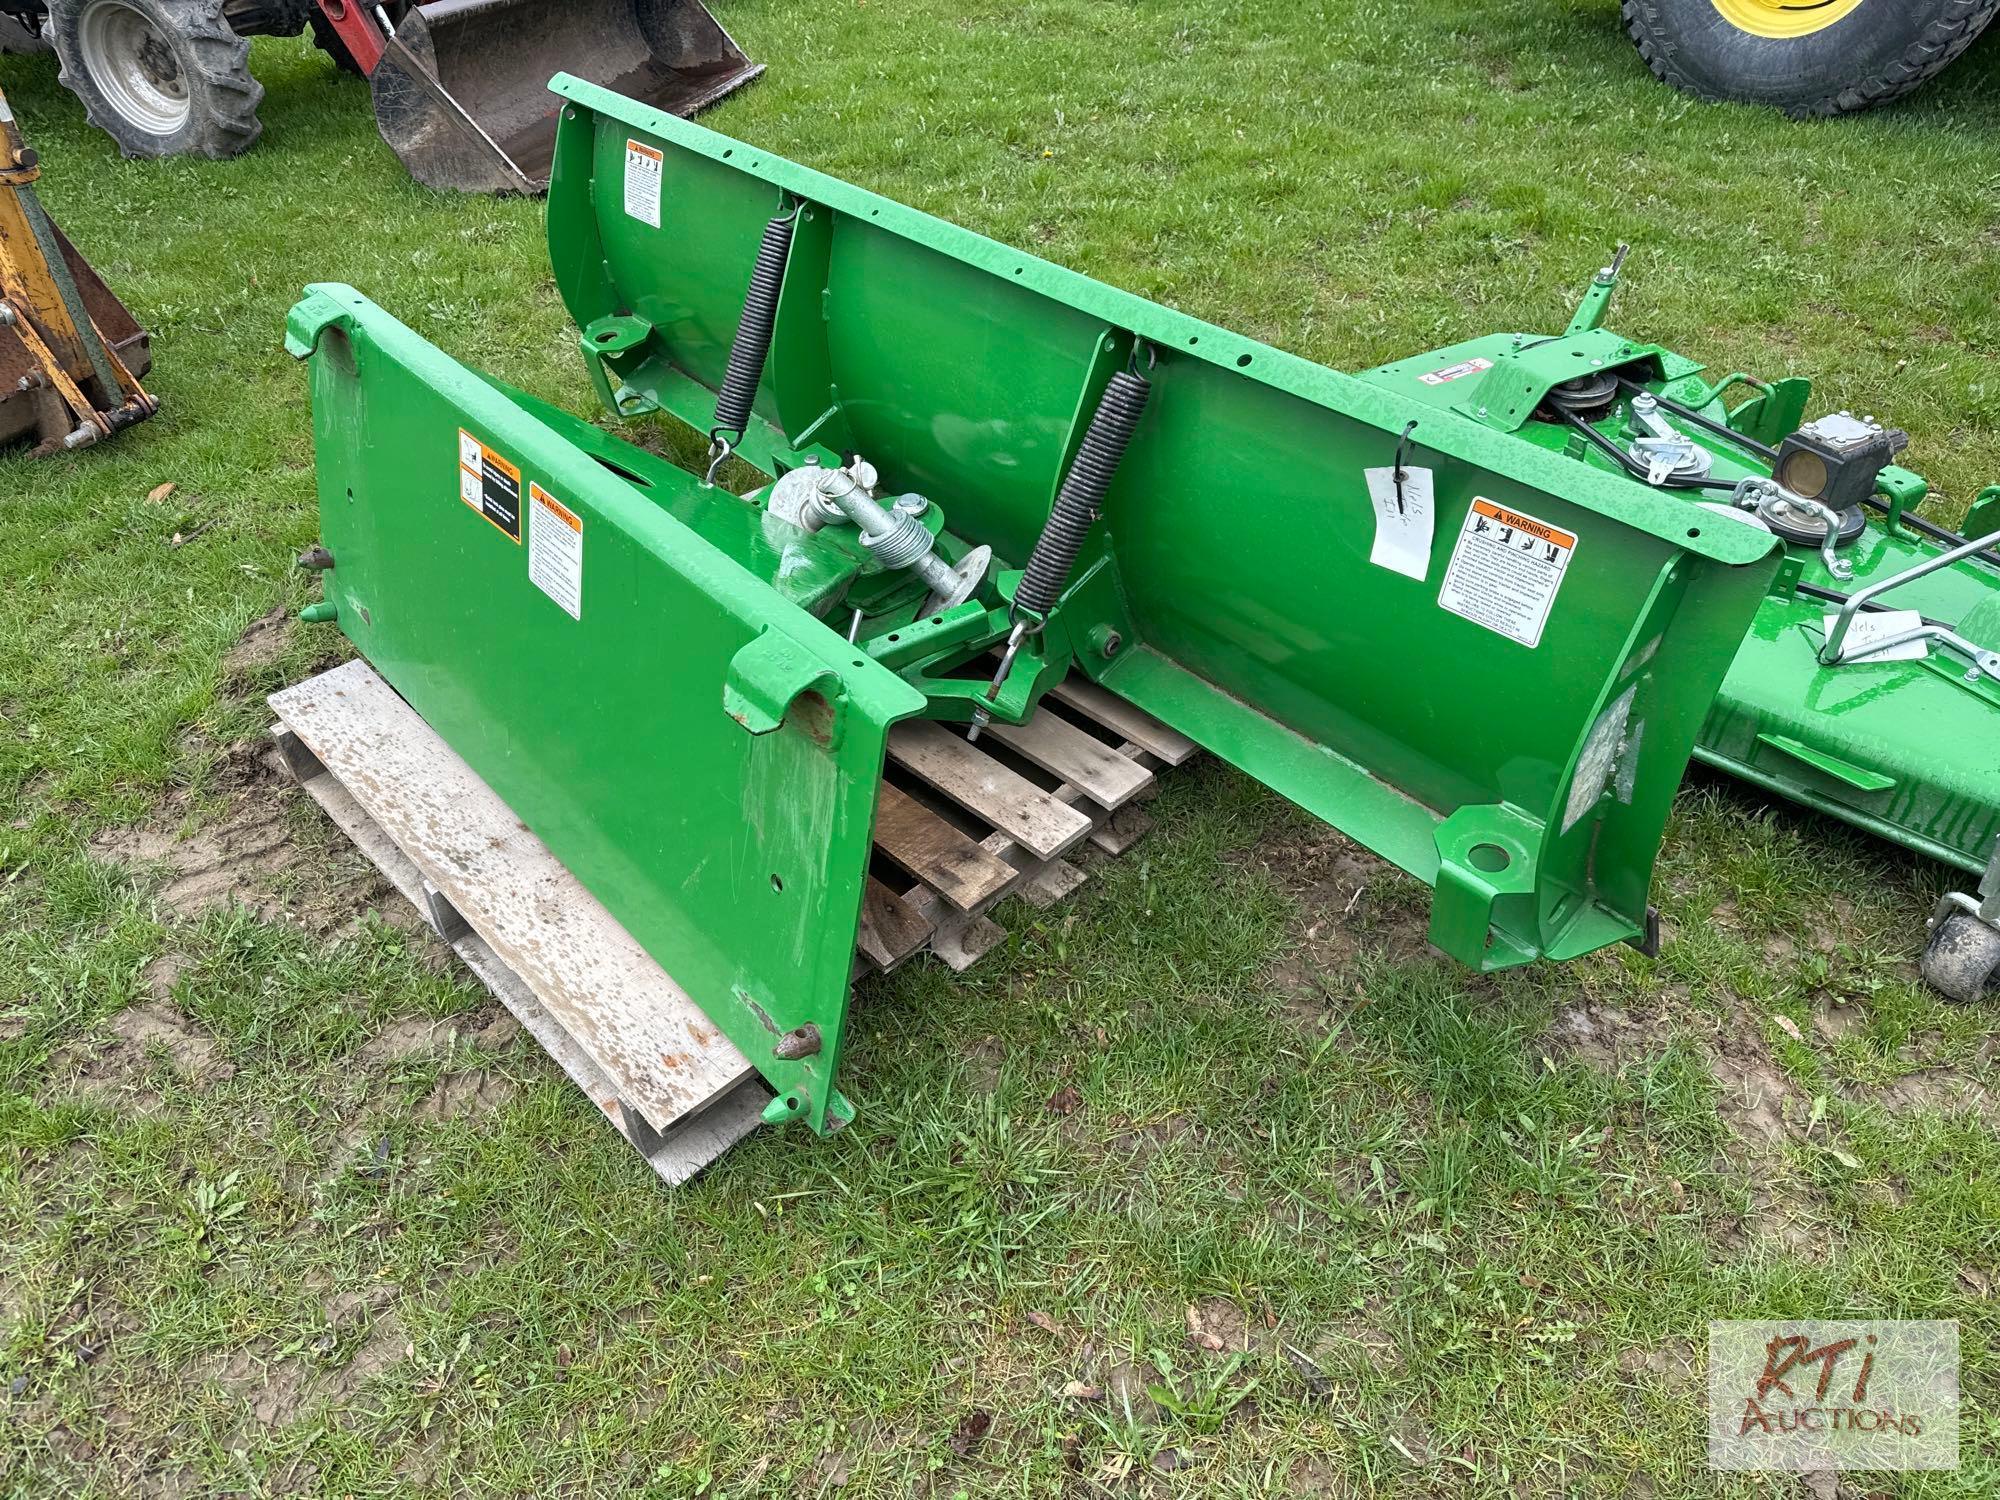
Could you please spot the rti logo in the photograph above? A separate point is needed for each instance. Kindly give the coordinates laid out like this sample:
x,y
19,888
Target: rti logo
x,y
1814,1395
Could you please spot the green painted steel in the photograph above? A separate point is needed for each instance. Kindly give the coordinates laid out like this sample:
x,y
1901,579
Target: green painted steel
x,y
1903,749
699,740
1235,539
737,858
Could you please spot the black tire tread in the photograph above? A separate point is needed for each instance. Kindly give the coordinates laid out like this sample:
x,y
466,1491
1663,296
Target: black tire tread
x,y
221,58
1935,50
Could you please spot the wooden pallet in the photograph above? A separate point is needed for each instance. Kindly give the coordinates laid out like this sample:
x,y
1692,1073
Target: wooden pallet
x,y
959,828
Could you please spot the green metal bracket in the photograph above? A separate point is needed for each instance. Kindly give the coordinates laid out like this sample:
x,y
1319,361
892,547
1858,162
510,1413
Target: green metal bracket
x,y
1859,777
1506,396
1486,861
766,677
1984,517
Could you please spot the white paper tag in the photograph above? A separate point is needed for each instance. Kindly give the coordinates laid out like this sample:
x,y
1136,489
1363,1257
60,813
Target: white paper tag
x,y
1880,626
643,164
555,550
1505,570
1402,532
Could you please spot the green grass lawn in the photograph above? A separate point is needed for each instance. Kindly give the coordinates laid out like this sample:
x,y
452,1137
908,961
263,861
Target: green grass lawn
x,y
1211,1182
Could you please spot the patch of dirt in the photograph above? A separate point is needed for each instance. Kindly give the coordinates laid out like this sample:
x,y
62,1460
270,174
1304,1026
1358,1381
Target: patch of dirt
x,y
251,854
1940,1090
141,1035
1354,904
277,1392
1216,1325
162,974
259,646
1832,1022
409,1036
1603,1037
983,1060
1675,1362
1755,1098
459,1095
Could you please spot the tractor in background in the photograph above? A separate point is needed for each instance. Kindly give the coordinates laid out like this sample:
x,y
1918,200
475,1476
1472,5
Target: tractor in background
x,y
1806,57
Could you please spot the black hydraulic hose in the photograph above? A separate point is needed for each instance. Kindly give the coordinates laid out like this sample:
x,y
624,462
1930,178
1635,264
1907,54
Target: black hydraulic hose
x,y
1632,465
753,330
1944,536
1707,424
1083,490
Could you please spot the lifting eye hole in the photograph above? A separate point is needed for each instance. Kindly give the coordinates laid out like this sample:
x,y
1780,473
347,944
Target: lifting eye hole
x,y
1488,857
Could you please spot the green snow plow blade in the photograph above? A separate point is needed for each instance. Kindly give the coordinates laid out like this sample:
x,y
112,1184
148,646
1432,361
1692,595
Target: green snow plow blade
x,y
1869,685
1485,661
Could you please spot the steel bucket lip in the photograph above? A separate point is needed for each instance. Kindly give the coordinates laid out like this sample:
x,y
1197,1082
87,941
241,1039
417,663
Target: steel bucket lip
x,y
482,149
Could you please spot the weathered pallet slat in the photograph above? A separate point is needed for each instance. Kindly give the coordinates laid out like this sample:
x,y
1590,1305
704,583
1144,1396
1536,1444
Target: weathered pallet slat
x,y
1104,808
945,858
891,929
1011,803
1091,766
1115,714
612,1019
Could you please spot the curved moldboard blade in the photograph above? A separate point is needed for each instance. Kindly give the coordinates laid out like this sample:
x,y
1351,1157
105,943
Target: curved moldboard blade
x,y
462,94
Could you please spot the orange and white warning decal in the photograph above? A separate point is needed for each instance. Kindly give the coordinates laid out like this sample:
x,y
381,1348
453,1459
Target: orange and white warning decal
x,y
555,550
1505,571
490,484
644,165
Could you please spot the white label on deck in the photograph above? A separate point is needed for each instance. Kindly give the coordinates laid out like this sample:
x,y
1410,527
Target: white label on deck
x,y
555,550
1458,371
643,164
1404,525
1505,571
1880,626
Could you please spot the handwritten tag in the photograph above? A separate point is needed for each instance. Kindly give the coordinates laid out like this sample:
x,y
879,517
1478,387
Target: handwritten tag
x,y
1881,626
1403,531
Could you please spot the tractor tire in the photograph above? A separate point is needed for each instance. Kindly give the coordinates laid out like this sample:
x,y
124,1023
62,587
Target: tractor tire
x,y
1861,53
160,77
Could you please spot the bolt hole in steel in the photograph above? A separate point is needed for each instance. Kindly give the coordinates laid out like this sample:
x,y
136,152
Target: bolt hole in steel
x,y
1242,361
1693,532
134,67
605,338
777,884
1489,857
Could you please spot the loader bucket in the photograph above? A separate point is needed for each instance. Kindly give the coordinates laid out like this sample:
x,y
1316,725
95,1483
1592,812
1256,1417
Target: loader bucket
x,y
462,93
688,694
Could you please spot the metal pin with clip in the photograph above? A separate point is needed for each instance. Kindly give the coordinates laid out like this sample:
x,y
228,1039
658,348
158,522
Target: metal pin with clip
x,y
1402,456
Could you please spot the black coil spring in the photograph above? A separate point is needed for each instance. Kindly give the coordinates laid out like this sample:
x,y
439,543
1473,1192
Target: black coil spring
x,y
753,330
1083,491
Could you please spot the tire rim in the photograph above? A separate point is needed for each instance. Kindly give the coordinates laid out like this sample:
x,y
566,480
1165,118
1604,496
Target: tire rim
x,y
1785,19
134,67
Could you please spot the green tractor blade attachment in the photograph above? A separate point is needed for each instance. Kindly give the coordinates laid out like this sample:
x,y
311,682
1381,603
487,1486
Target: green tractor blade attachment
x,y
982,473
